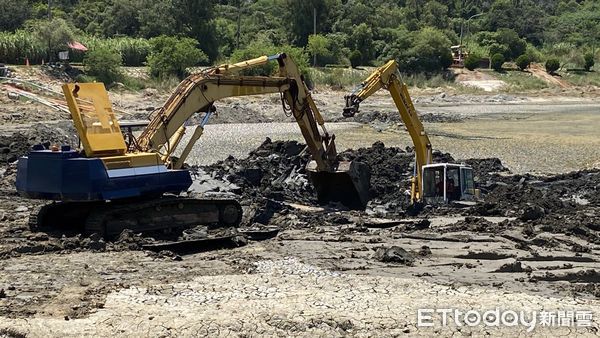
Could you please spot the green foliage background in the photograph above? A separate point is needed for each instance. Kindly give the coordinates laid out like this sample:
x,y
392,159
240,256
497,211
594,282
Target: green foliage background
x,y
417,33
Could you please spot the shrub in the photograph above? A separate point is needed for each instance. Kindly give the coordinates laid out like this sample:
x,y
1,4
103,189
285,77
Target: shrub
x,y
515,45
104,64
355,58
497,48
472,62
497,62
446,60
262,46
430,52
523,62
318,45
172,56
588,61
134,51
552,65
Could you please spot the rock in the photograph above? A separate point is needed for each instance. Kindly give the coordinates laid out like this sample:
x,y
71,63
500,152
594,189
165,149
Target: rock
x,y
38,236
252,175
514,267
424,251
394,254
148,92
71,243
21,208
532,213
94,245
2,293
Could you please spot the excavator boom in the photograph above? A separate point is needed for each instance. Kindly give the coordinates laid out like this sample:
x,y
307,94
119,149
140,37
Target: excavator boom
x,y
388,77
347,183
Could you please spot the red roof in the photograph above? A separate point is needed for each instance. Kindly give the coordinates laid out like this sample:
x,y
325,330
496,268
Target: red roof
x,y
77,46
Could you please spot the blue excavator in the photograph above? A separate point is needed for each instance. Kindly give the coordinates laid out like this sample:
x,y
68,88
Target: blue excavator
x,y
109,185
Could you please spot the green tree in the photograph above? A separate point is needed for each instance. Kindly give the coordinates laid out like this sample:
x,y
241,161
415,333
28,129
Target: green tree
x,y
515,45
472,62
155,17
355,58
13,14
497,61
588,61
552,65
396,43
318,45
526,17
172,56
299,15
430,52
121,18
263,46
104,64
523,62
362,40
435,14
194,18
56,34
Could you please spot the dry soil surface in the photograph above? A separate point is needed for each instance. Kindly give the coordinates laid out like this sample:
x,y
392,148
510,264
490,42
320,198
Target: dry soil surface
x,y
531,246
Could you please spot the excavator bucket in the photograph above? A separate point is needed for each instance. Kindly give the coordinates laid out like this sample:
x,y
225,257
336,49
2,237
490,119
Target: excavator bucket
x,y
349,184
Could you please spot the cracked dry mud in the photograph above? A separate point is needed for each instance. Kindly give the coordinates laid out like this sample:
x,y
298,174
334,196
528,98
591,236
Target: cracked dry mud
x,y
532,245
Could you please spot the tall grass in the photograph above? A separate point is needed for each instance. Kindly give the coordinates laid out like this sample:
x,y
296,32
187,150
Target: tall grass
x,y
424,81
15,47
337,78
347,78
519,81
134,51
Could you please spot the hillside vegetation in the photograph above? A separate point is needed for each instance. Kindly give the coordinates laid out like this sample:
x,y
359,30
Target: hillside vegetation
x,y
417,33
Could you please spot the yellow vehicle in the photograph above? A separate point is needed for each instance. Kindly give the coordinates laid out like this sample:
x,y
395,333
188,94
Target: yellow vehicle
x,y
434,183
111,185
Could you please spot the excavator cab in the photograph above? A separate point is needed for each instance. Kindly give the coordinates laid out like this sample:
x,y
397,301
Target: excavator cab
x,y
447,182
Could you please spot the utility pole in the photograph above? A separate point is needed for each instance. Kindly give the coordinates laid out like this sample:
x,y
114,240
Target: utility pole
x,y
239,20
314,33
49,34
468,25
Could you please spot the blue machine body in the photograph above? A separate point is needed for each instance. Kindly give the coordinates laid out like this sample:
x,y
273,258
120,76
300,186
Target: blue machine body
x,y
67,176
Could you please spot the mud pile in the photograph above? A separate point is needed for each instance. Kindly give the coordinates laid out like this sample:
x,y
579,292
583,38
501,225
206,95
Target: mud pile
x,y
20,142
391,171
391,117
276,170
274,173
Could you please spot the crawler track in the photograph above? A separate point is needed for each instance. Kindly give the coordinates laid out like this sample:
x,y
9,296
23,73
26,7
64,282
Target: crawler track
x,y
110,218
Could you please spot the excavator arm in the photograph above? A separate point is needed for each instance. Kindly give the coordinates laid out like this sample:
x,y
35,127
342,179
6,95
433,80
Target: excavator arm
x,y
388,77
198,92
346,182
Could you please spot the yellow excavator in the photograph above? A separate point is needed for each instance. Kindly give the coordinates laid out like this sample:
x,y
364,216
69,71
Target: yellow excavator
x,y
111,185
431,182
